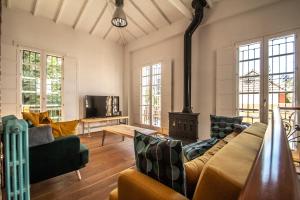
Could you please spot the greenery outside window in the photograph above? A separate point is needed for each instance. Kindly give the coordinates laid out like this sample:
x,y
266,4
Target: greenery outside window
x,y
41,86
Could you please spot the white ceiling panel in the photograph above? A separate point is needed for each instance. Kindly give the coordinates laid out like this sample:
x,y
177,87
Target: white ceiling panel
x,y
26,5
134,15
114,35
47,9
94,16
151,11
170,11
104,24
128,36
90,15
71,11
134,29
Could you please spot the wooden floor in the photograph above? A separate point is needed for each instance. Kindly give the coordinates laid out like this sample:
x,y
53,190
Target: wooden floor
x,y
99,177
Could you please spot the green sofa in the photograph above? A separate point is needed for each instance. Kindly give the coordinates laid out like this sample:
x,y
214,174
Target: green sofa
x,y
64,155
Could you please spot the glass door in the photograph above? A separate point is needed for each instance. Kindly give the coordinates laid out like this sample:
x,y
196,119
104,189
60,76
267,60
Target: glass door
x,y
41,83
281,75
54,87
30,81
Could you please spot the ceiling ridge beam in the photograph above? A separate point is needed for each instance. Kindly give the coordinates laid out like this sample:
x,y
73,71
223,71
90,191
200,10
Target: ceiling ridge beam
x,y
79,16
182,8
59,11
143,14
161,12
92,31
35,7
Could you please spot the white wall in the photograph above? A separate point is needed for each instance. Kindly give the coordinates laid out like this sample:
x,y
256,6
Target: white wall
x,y
257,21
99,62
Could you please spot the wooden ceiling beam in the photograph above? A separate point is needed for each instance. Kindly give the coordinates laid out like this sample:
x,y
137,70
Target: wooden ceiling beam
x,y
161,12
79,16
137,25
59,11
92,31
182,8
143,14
35,7
107,32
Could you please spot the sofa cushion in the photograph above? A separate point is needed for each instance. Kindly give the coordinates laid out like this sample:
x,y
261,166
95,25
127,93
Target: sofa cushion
x,y
44,118
222,126
40,135
32,117
194,167
60,129
227,171
161,159
258,129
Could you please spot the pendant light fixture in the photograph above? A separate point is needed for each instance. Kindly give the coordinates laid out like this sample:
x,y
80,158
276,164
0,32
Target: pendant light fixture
x,y
119,18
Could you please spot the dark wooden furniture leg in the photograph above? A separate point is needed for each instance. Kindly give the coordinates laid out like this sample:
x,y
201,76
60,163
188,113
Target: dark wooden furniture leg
x,y
103,137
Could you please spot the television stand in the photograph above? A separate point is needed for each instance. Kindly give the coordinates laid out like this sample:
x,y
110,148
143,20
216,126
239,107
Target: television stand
x,y
86,122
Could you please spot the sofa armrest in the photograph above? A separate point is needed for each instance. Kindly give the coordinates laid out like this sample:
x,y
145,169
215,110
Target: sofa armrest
x,y
60,147
134,185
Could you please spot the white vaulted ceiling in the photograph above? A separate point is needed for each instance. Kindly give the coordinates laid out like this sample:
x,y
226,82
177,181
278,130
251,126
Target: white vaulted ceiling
x,y
94,16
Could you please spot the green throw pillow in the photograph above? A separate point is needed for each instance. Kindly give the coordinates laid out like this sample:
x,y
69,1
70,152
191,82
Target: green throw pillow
x,y
221,126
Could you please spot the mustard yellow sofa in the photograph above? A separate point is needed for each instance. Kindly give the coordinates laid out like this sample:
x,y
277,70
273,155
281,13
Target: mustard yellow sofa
x,y
219,174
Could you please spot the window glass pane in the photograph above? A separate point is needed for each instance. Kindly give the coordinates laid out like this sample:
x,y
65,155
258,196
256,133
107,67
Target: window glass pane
x,y
282,72
54,87
151,95
249,82
156,95
31,81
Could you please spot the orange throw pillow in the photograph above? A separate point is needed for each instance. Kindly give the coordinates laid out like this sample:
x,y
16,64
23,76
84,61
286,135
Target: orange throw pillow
x,y
33,117
60,129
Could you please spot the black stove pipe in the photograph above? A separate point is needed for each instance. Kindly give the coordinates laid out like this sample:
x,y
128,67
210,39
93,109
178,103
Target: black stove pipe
x,y
198,5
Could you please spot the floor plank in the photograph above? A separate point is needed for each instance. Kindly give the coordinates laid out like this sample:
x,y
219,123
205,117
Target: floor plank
x,y
99,177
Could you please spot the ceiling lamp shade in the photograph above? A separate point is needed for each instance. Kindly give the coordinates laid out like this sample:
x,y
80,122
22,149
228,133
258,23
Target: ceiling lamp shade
x,y
119,18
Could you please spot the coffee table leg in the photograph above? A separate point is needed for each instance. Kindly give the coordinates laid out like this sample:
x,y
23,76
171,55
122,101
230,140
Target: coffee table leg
x,y
123,138
103,137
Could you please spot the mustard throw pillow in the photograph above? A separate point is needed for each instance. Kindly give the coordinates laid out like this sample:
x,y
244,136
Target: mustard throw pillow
x,y
32,117
64,128
44,118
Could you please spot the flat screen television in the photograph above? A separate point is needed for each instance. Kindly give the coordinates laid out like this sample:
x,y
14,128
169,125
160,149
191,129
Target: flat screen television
x,y
101,106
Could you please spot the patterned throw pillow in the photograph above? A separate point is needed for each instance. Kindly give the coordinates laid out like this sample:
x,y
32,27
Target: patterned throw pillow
x,y
161,159
222,126
194,150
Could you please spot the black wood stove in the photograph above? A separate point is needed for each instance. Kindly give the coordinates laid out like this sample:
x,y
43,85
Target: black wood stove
x,y
184,125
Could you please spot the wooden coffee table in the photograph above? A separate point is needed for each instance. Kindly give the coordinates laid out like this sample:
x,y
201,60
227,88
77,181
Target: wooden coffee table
x,y
125,131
